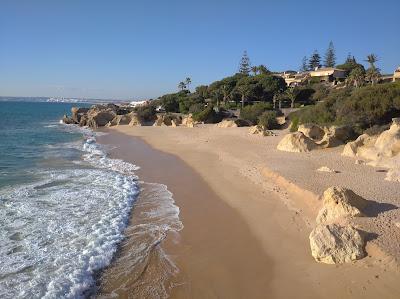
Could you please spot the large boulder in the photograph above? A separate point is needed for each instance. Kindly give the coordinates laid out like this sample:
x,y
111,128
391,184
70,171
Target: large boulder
x,y
312,131
68,120
99,118
188,121
77,113
335,136
340,203
388,143
118,120
335,244
232,123
296,142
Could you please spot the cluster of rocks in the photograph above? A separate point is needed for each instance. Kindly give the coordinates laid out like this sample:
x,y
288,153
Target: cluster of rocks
x,y
379,149
113,115
232,123
310,136
334,240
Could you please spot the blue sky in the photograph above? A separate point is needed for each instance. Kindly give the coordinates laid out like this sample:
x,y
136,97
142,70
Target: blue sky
x,y
142,49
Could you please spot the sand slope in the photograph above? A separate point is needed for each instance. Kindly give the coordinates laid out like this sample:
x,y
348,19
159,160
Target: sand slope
x,y
276,193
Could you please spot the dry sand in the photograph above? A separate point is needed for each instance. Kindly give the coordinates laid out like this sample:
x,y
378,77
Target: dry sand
x,y
275,197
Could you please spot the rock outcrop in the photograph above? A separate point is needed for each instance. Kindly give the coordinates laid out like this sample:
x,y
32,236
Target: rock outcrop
x,y
312,131
77,113
260,130
381,150
99,118
167,120
340,203
334,243
188,121
121,120
232,123
296,142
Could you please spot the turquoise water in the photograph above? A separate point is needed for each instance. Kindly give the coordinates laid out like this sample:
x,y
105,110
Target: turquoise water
x,y
65,205
26,131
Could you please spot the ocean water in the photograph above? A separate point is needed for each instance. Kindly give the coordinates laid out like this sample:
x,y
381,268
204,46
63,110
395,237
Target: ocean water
x,y
65,205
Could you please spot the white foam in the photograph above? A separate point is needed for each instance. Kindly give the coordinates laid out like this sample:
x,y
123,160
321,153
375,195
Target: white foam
x,y
56,232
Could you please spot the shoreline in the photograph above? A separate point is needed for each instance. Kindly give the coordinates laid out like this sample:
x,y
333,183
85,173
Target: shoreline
x,y
278,220
205,251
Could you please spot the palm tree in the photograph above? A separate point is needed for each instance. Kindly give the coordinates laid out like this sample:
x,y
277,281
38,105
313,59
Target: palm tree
x,y
254,69
356,77
182,85
373,73
372,59
188,81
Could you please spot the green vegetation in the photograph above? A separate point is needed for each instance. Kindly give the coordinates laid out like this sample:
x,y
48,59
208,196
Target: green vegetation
x,y
268,120
360,108
146,113
330,56
252,113
208,116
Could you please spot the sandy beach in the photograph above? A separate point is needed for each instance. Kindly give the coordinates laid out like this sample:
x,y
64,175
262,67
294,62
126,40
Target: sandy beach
x,y
247,211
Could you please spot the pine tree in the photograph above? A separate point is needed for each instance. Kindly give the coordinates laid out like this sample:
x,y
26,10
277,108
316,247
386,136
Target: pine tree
x,y
330,56
304,67
244,65
314,61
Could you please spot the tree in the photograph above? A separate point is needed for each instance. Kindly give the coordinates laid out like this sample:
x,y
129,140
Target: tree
x,y
356,77
292,93
315,61
373,73
182,85
254,69
244,65
263,70
304,67
188,81
350,64
372,59
330,56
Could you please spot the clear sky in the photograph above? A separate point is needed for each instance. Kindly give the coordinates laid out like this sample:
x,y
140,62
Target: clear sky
x,y
140,49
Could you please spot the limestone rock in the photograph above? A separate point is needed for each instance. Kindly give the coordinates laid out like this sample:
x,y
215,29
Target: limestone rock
x,y
334,244
388,143
339,203
296,142
326,169
167,120
99,118
68,120
312,131
335,136
124,119
259,130
135,120
77,113
232,123
188,121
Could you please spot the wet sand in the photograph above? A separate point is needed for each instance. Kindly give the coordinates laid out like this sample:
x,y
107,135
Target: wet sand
x,y
216,254
260,248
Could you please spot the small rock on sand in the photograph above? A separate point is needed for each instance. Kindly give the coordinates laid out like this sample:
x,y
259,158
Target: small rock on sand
x,y
326,169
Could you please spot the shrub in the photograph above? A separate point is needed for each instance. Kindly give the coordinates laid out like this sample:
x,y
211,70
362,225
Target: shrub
x,y
196,108
268,120
208,116
360,108
253,112
294,125
147,113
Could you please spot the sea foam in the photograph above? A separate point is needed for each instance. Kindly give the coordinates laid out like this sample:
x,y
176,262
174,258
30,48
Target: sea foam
x,y
58,231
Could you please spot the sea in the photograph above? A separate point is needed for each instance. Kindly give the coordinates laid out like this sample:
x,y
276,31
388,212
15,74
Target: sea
x,y
65,206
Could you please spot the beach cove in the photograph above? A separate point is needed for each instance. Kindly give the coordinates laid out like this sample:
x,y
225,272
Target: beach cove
x,y
250,194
